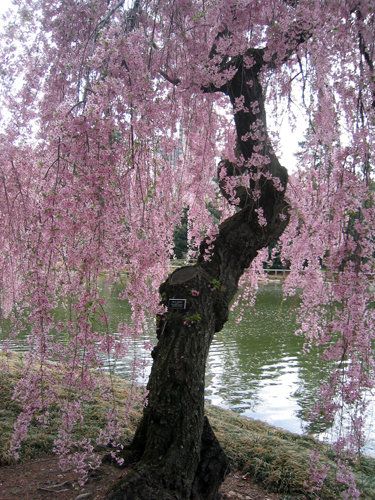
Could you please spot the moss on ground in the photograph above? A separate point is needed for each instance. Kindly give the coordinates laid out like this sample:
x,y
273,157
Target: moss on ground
x,y
277,459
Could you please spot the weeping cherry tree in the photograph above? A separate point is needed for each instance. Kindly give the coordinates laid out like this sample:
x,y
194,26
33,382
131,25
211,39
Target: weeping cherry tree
x,y
119,116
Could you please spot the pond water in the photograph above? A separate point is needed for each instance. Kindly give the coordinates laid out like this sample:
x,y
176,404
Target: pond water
x,y
256,368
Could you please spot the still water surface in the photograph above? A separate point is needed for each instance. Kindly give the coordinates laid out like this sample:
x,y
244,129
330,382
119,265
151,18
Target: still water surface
x,y
256,368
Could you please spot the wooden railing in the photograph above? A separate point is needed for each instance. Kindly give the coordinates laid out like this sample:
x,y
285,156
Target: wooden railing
x,y
277,273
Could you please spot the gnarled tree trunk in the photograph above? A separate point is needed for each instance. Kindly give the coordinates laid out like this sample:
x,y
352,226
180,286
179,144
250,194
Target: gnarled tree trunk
x,y
174,453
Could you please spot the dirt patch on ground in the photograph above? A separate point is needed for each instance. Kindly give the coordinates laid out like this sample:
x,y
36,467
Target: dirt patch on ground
x,y
42,479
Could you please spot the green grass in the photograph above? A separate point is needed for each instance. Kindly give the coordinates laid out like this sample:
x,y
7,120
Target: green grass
x,y
279,460
276,459
40,438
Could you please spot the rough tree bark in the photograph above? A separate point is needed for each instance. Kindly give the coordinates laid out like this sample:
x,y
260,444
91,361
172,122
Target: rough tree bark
x,y
174,453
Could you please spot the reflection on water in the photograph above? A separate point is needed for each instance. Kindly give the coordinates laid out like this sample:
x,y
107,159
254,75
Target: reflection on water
x,y
258,369
255,368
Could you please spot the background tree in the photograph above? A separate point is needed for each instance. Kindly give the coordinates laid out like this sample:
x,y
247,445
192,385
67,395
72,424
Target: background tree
x,y
97,94
180,237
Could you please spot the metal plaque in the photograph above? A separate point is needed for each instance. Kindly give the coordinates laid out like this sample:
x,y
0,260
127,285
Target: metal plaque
x,y
177,304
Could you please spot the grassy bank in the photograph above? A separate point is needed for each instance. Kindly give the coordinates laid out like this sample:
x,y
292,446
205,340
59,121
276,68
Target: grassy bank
x,y
277,459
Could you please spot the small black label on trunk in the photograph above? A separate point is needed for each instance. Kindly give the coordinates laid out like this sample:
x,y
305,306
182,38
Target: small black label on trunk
x,y
177,304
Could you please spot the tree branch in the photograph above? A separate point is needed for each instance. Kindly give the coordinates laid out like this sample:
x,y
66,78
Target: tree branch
x,y
367,57
130,18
